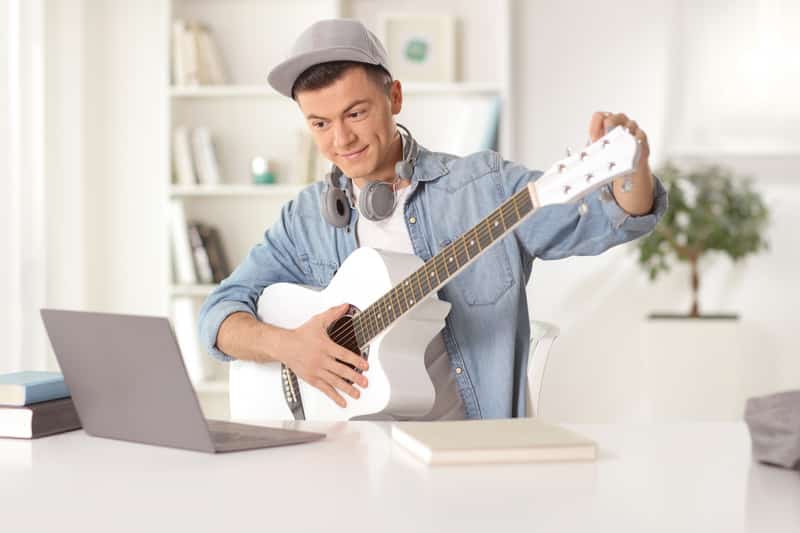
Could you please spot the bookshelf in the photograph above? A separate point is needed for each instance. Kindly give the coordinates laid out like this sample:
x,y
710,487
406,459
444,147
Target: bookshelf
x,y
248,118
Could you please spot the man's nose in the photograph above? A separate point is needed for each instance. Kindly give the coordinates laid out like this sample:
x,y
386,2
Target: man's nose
x,y
343,136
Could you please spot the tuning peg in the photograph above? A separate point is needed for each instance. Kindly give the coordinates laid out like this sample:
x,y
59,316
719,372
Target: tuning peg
x,y
569,152
583,208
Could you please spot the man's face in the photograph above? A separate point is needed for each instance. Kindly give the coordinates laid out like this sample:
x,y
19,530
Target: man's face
x,y
351,121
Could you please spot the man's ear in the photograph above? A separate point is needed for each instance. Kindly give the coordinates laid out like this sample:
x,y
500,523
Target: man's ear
x,y
396,97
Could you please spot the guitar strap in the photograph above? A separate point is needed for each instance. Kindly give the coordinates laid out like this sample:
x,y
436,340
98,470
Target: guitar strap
x,y
291,392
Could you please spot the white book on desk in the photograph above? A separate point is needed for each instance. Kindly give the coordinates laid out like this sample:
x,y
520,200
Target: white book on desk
x,y
511,440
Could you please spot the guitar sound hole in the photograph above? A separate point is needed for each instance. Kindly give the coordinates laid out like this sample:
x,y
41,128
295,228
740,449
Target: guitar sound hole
x,y
342,332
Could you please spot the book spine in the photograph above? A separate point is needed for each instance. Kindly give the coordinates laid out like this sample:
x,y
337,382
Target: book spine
x,y
189,51
182,250
200,254
210,59
182,157
179,76
216,254
54,417
205,156
42,392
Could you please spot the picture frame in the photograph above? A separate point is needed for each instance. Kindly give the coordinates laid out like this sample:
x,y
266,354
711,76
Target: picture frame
x,y
421,48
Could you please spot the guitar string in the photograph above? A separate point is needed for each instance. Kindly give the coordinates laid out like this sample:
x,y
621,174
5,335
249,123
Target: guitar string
x,y
481,230
480,233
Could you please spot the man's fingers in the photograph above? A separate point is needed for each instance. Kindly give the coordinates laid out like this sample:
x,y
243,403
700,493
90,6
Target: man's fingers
x,y
346,372
596,125
346,356
341,384
330,392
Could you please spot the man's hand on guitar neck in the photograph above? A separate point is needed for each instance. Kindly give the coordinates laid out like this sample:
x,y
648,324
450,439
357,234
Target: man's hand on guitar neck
x,y
317,360
639,200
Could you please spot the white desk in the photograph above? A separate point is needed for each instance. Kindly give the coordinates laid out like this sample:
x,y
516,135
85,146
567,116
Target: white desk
x,y
670,478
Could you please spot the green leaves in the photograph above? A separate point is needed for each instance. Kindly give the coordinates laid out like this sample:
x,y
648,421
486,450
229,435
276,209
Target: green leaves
x,y
710,209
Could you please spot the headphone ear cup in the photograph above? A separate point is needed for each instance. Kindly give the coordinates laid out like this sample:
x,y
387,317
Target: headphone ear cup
x,y
404,169
335,207
377,201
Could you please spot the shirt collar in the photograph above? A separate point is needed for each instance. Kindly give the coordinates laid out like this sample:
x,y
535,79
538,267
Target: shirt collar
x,y
429,166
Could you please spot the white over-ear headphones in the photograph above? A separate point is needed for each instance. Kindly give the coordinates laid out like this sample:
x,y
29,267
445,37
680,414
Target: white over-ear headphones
x,y
377,201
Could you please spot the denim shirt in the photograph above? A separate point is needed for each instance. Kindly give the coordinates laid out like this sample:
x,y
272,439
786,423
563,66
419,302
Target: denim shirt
x,y
487,333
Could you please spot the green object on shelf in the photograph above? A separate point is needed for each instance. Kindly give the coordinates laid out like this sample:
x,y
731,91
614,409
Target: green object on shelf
x,y
259,168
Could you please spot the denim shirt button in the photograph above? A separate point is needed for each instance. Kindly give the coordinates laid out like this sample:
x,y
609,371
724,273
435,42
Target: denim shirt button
x,y
412,220
458,370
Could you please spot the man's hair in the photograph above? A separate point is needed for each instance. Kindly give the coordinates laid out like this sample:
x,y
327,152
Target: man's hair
x,y
325,74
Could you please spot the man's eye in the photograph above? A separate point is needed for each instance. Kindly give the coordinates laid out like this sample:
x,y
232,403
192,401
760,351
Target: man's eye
x,y
317,124
356,114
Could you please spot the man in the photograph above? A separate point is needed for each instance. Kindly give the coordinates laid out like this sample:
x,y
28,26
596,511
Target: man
x,y
339,77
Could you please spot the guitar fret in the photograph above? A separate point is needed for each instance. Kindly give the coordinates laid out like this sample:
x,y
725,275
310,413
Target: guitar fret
x,y
476,240
449,261
426,277
435,272
417,295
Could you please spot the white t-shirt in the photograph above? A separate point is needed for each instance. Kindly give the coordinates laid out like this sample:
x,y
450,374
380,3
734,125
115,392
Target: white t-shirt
x,y
391,234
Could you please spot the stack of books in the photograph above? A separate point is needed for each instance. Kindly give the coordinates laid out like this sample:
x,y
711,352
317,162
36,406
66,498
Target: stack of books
x,y
35,404
197,249
194,155
196,58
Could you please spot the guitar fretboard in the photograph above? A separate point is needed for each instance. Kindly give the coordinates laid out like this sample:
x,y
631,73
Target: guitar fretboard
x,y
437,271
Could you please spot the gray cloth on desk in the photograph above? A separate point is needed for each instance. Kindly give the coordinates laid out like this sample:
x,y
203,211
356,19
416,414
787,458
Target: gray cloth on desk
x,y
774,423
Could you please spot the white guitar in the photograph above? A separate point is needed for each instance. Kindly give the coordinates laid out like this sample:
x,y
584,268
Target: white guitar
x,y
395,312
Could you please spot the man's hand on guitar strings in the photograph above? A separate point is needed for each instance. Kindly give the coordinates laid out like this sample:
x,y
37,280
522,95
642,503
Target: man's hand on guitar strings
x,y
312,355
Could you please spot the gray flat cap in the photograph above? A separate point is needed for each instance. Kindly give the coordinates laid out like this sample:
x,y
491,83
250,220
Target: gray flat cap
x,y
324,41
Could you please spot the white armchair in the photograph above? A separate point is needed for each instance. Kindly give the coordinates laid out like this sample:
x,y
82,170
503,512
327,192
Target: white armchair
x,y
543,335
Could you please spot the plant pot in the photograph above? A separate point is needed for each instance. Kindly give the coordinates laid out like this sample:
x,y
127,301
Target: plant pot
x,y
692,368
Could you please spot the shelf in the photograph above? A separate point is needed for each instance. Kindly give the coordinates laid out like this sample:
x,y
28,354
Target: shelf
x,y
237,190
212,387
265,91
192,290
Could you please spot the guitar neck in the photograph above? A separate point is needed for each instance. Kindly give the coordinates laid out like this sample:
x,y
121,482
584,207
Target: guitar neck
x,y
568,180
442,267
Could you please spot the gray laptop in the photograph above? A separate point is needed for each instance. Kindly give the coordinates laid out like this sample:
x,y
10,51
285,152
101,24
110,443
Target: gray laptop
x,y
128,381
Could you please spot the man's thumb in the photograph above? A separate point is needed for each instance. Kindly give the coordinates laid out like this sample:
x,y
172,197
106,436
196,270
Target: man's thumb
x,y
333,313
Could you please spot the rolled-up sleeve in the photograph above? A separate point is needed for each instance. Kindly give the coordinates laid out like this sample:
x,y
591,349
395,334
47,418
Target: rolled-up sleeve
x,y
560,230
273,260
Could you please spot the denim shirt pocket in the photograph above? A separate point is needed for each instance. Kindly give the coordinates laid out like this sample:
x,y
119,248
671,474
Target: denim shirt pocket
x,y
318,271
475,191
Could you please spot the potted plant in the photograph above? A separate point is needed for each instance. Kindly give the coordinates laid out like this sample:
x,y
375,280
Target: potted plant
x,y
710,210
695,369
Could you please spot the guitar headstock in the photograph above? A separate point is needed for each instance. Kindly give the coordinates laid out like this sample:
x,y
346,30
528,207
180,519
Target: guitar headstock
x,y
570,179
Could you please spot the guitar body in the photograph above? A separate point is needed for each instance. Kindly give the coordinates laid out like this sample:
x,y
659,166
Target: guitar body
x,y
399,383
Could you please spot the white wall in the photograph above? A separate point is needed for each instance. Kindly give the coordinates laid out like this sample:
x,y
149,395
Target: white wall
x,y
104,101
571,58
576,57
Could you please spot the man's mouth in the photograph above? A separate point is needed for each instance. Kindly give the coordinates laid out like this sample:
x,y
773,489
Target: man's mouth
x,y
354,155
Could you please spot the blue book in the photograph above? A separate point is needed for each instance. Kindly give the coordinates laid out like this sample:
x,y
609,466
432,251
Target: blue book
x,y
25,388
